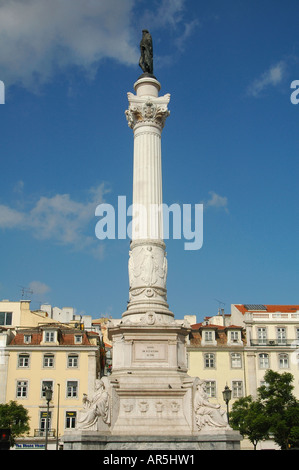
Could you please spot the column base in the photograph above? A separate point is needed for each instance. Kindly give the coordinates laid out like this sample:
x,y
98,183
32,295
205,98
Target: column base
x,y
229,440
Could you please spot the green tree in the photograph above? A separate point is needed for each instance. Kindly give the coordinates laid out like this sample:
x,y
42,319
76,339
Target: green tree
x,y
281,407
15,417
248,417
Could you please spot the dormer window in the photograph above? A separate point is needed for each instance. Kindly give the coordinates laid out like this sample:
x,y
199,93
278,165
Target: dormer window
x,y
49,336
234,337
208,337
78,339
27,339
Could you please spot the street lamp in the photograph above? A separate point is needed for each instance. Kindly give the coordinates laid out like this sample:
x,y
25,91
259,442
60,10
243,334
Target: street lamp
x,y
48,395
227,394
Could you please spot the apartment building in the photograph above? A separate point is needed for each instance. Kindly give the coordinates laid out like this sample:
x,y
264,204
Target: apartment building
x,y
63,358
216,355
272,333
237,349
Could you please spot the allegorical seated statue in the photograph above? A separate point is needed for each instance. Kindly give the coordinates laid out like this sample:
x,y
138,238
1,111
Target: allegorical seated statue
x,y
206,413
146,50
94,408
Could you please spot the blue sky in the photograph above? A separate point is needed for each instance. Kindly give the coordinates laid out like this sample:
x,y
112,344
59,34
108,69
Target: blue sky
x,y
231,143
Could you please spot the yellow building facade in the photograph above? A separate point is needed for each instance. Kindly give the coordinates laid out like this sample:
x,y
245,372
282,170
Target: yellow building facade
x,y
216,355
56,356
237,349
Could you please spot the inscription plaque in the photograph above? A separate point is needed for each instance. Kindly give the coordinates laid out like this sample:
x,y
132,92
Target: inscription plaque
x,y
150,351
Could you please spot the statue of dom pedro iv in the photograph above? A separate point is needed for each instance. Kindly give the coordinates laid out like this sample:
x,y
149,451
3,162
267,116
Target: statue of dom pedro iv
x,y
146,50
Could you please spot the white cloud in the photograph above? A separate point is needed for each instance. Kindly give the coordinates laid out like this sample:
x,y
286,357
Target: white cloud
x,y
272,77
39,288
10,218
216,201
39,37
60,219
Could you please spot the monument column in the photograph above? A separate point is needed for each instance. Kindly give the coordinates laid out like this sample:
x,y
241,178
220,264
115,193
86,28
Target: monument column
x,y
146,115
149,401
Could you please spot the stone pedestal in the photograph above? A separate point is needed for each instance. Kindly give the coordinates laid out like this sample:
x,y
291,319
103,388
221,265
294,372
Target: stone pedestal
x,y
151,388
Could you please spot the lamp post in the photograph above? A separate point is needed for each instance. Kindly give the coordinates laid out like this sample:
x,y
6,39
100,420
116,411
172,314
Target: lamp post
x,y
227,394
48,395
57,426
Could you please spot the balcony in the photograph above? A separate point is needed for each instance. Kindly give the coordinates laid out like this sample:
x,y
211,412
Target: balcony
x,y
42,433
275,342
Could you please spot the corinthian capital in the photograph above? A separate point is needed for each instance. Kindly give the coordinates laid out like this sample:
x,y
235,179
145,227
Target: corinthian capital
x,y
147,110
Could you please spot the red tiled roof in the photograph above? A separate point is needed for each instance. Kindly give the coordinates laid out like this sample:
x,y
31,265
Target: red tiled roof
x,y
66,338
271,308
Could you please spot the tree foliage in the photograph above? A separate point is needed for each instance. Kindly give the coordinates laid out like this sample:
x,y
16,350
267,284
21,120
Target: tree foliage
x,y
274,413
248,417
15,417
282,407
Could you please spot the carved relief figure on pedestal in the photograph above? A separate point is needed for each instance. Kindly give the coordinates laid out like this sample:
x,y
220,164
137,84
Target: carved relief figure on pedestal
x,y
206,413
98,406
147,265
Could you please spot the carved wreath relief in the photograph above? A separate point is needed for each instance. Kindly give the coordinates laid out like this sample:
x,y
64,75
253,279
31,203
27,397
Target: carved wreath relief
x,y
145,406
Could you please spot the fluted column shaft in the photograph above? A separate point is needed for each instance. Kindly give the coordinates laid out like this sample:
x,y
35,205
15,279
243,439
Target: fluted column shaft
x,y
147,262
147,184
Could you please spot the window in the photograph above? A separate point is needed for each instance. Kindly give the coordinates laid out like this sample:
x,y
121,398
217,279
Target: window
x,y
209,360
283,360
49,336
211,388
78,339
72,389
70,419
209,336
281,335
27,339
46,384
23,360
48,360
234,336
44,420
262,335
264,361
236,360
5,318
22,389
72,360
237,387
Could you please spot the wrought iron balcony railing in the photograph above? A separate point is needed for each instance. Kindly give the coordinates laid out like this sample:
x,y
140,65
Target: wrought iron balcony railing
x,y
42,433
275,342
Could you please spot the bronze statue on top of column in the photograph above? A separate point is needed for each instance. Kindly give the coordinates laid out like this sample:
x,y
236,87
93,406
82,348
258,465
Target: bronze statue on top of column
x,y
146,50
